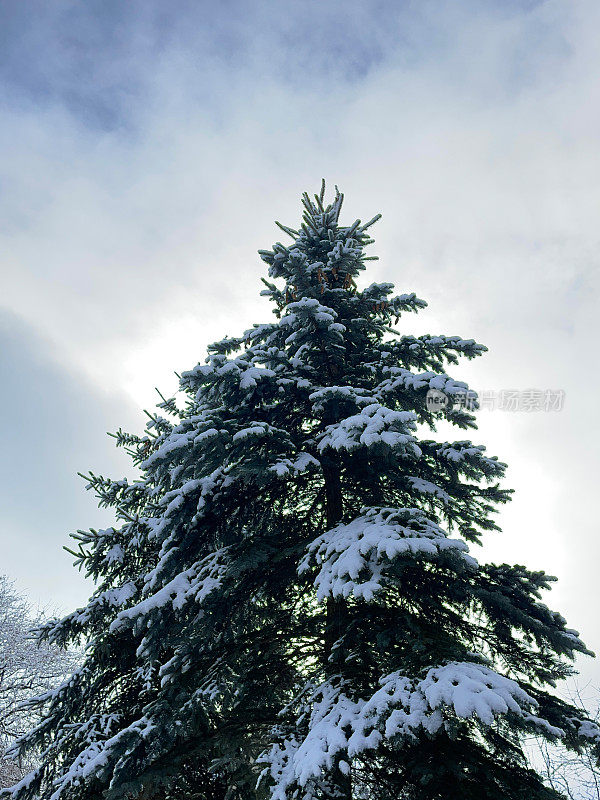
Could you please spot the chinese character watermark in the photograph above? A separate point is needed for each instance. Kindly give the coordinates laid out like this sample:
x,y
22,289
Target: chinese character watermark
x,y
515,400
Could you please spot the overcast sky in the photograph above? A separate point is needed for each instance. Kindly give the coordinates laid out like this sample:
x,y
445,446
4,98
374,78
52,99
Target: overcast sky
x,y
146,148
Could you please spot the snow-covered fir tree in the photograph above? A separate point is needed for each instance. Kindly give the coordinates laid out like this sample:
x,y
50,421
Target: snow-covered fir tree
x,y
289,605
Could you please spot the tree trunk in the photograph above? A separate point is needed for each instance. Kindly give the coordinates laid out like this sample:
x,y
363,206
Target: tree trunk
x,y
337,611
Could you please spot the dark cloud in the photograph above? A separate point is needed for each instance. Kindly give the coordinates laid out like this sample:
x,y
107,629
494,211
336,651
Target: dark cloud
x,y
99,59
53,425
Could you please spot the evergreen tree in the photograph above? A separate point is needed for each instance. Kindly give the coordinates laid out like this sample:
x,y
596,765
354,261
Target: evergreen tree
x,y
288,594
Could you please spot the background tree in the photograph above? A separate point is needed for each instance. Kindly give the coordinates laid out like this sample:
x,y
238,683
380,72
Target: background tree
x,y
26,668
288,590
574,774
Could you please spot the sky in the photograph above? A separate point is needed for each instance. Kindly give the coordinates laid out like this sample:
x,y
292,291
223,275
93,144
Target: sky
x,y
145,150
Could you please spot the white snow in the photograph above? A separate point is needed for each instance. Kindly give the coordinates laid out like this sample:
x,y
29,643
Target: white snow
x,y
353,558
251,376
375,424
256,429
288,466
320,397
588,729
98,754
401,378
427,487
336,724
196,583
116,597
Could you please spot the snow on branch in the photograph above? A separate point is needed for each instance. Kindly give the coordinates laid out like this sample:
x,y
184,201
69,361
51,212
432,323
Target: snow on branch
x,y
336,724
352,558
374,425
195,583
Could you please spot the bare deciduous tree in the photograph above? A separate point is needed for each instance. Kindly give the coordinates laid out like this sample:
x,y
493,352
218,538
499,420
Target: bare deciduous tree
x,y
576,775
26,669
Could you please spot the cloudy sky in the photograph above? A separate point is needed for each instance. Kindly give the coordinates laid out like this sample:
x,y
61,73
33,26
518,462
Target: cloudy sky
x,y
145,149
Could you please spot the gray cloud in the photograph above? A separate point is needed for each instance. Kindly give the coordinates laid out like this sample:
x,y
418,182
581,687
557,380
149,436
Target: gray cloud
x,y
53,425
